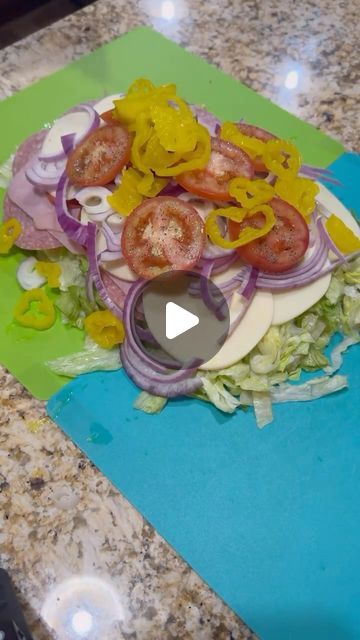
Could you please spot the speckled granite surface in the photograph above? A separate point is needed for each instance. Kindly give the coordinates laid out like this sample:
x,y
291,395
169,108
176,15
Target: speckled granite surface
x,y
60,519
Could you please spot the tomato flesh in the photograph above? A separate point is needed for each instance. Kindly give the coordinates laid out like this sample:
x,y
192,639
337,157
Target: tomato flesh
x,y
108,116
261,134
99,158
162,234
285,244
72,203
227,161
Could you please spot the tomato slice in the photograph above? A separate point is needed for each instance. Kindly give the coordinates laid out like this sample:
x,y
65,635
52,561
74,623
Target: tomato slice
x,y
72,203
162,234
283,247
108,116
99,158
227,161
261,134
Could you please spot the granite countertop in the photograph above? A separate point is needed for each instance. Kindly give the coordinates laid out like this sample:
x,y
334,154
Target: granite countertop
x,y
61,520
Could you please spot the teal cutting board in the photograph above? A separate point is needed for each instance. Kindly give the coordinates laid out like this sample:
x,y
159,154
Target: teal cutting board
x,y
270,518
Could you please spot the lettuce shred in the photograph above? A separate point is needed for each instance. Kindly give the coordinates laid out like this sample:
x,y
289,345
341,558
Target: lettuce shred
x,y
92,358
72,299
267,374
148,403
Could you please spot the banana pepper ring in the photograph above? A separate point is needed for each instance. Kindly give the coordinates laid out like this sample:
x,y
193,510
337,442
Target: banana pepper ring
x,y
9,233
299,192
51,271
250,193
238,215
41,317
282,158
104,328
251,145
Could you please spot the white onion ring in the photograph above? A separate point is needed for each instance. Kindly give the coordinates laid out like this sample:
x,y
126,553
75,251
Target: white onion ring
x,y
99,193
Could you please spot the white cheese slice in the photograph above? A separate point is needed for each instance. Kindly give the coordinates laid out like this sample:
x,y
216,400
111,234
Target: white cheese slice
x,y
76,122
107,103
290,304
246,336
120,269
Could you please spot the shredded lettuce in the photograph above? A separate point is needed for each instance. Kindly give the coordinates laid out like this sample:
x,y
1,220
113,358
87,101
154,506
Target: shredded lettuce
x,y
267,374
262,408
75,306
73,267
148,403
92,358
336,354
310,390
72,300
219,395
6,172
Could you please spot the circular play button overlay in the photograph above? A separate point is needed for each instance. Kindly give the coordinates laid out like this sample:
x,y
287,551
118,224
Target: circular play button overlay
x,y
183,319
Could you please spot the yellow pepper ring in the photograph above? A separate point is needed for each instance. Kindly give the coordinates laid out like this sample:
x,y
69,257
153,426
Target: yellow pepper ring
x,y
251,145
9,233
104,328
282,158
250,193
45,314
51,271
299,192
238,215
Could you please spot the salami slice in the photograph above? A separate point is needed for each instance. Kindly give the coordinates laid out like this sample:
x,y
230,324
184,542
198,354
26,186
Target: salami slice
x,y
28,149
116,289
30,237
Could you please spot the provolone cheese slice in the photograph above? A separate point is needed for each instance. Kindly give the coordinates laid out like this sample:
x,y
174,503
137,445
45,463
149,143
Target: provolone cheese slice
x,y
107,103
76,122
246,336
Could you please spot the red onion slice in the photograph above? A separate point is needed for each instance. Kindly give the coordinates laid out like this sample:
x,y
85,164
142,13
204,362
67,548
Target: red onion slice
x,y
207,119
166,385
94,121
74,229
45,175
68,142
247,290
315,173
113,240
110,256
235,323
95,274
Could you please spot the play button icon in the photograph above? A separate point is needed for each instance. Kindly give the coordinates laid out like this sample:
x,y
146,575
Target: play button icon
x,y
183,317
178,320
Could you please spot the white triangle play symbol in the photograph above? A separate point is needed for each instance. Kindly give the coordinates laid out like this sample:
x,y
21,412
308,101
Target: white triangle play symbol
x,y
178,320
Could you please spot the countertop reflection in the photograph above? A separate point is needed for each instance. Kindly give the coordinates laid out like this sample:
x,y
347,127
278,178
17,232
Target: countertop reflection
x,y
83,560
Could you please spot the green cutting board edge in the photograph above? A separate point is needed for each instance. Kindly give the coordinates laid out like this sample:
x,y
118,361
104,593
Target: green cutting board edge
x,y
111,69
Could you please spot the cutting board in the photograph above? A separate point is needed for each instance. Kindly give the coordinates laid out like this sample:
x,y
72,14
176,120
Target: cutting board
x,y
268,518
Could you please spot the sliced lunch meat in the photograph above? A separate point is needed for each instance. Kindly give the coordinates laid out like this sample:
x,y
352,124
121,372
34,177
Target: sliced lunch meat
x,y
30,238
28,149
117,289
65,241
37,205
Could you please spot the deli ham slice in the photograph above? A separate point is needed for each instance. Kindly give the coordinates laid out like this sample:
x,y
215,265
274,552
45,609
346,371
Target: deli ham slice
x,y
36,205
30,238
